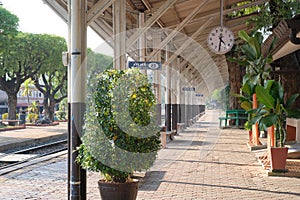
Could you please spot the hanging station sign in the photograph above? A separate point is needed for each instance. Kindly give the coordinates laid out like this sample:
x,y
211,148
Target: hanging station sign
x,y
188,89
145,65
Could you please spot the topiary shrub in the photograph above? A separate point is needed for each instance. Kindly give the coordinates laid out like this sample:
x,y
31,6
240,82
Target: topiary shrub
x,y
120,132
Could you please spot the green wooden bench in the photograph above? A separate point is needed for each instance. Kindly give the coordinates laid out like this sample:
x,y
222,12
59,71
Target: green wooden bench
x,y
236,115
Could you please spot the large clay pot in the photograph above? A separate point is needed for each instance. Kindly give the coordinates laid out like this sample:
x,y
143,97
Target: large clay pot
x,y
118,191
278,158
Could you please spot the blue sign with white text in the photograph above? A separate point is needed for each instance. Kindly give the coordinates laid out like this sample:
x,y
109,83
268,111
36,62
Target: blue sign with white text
x,y
188,89
145,65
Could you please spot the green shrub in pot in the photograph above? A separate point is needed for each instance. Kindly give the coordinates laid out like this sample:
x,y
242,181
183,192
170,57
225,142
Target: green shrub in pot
x,y
120,131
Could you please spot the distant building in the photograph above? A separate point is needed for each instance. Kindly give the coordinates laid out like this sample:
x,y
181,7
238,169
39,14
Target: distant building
x,y
35,95
3,101
22,102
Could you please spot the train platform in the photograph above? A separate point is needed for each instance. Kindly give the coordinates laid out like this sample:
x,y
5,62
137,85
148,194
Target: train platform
x,y
203,162
31,135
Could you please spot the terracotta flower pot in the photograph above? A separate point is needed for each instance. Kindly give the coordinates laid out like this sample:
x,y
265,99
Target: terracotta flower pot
x,y
278,158
118,191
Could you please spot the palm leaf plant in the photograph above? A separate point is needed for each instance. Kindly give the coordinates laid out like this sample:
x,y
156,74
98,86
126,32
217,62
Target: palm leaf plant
x,y
246,100
274,109
257,70
253,58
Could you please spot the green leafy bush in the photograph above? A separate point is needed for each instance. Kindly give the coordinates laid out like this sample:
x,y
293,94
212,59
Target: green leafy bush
x,y
120,132
61,115
4,116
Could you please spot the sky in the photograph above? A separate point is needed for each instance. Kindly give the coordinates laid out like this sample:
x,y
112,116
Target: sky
x,y
37,17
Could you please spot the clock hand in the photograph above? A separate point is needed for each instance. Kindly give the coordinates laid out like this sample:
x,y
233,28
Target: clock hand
x,y
219,46
221,40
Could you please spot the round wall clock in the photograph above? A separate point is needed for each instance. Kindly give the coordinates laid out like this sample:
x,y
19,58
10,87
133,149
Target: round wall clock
x,y
220,40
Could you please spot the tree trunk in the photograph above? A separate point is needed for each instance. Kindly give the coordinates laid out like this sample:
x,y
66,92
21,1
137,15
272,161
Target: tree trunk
x,y
12,104
28,103
236,74
49,109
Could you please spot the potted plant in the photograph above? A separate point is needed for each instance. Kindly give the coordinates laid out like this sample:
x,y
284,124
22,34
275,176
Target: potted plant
x,y
273,111
120,132
257,72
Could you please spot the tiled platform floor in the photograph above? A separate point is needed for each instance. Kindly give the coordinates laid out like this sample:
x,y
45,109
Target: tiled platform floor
x,y
203,162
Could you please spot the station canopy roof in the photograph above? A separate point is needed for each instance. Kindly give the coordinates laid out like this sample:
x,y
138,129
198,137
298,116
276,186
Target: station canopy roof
x,y
182,24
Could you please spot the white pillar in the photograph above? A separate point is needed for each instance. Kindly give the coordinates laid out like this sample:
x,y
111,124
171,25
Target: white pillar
x,y
119,30
142,41
157,77
77,94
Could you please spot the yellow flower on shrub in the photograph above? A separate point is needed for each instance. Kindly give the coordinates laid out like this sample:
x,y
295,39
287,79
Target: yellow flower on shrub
x,y
133,96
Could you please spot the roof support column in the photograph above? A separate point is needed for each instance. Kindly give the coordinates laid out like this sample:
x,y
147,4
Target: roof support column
x,y
77,75
142,41
119,31
168,94
174,96
157,78
181,83
177,87
142,52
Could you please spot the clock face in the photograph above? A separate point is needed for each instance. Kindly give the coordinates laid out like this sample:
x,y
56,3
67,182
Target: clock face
x,y
220,40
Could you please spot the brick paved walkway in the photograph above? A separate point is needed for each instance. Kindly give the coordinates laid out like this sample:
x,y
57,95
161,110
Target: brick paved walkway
x,y
216,165
204,162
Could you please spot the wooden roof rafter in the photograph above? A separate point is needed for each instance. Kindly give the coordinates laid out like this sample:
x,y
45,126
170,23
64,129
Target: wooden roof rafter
x,y
179,27
150,22
98,9
167,15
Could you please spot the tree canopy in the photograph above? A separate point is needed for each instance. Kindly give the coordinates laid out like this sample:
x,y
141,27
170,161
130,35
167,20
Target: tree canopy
x,y
266,16
51,79
26,56
9,24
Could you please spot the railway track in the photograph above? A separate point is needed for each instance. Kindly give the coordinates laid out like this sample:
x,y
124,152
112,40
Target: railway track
x,y
16,159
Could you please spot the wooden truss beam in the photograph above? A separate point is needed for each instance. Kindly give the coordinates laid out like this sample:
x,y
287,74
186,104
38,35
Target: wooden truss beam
x,y
188,42
98,9
179,28
104,30
216,12
150,22
58,9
